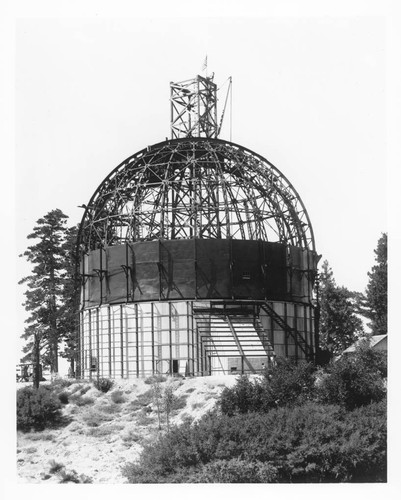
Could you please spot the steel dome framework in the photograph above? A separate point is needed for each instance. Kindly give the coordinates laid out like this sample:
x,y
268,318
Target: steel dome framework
x,y
195,188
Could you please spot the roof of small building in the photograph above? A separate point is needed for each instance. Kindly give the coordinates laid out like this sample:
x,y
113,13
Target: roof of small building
x,y
373,340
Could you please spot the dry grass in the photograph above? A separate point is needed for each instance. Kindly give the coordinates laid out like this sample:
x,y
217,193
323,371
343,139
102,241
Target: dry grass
x,y
40,436
104,434
104,430
117,397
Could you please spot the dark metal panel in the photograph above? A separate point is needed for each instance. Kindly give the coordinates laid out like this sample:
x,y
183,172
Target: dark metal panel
x,y
296,272
213,268
118,273
146,274
275,271
177,268
247,277
93,283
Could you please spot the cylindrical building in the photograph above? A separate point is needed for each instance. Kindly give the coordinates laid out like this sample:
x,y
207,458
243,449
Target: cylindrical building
x,y
198,257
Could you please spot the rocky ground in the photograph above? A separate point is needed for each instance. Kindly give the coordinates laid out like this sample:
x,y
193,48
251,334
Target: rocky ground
x,y
104,431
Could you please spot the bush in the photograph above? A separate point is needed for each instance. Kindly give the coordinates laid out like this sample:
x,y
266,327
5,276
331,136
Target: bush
x,y
117,397
284,384
63,398
235,471
103,384
287,383
61,383
155,378
355,379
307,443
84,401
37,408
245,396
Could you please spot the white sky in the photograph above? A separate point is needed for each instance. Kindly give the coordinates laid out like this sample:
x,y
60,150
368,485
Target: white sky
x,y
308,95
315,91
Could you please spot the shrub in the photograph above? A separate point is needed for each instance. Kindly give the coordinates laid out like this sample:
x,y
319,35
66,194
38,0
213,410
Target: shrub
x,y
307,443
95,418
131,436
71,476
155,378
144,419
287,383
61,383
104,430
243,397
284,384
103,384
55,466
179,402
83,401
67,476
235,471
63,398
40,437
355,379
117,397
37,408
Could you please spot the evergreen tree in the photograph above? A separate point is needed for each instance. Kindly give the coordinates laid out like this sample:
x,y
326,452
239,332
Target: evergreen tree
x,y
339,324
373,305
45,285
69,320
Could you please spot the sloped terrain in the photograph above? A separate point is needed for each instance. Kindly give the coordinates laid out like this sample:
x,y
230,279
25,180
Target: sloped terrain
x,y
103,431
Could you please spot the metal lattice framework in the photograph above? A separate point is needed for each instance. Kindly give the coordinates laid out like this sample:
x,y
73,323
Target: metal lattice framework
x,y
194,108
195,188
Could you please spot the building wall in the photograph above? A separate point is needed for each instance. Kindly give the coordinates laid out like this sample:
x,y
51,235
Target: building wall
x,y
141,339
197,269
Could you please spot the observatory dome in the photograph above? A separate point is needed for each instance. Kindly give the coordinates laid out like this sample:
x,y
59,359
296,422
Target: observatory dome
x,y
197,257
195,188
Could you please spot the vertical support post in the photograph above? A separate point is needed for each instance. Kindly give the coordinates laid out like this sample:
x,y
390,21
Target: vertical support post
x,y
81,365
126,347
285,333
152,322
272,327
170,338
127,273
90,344
171,112
109,335
311,331
193,340
137,339
97,344
122,341
101,274
307,337
188,339
201,356
296,328
198,95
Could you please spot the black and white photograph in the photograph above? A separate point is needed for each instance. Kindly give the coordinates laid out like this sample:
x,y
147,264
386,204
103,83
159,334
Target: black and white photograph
x,y
201,198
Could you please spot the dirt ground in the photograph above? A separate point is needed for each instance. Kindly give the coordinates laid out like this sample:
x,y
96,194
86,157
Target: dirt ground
x,y
104,431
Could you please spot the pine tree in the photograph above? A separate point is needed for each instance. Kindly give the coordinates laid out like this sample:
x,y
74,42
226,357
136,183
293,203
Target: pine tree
x,y
44,291
339,324
69,320
373,305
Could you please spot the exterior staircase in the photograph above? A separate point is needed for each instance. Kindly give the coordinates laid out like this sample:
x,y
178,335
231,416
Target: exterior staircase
x,y
233,334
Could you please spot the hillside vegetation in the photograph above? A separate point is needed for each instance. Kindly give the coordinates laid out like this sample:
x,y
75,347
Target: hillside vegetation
x,y
291,424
